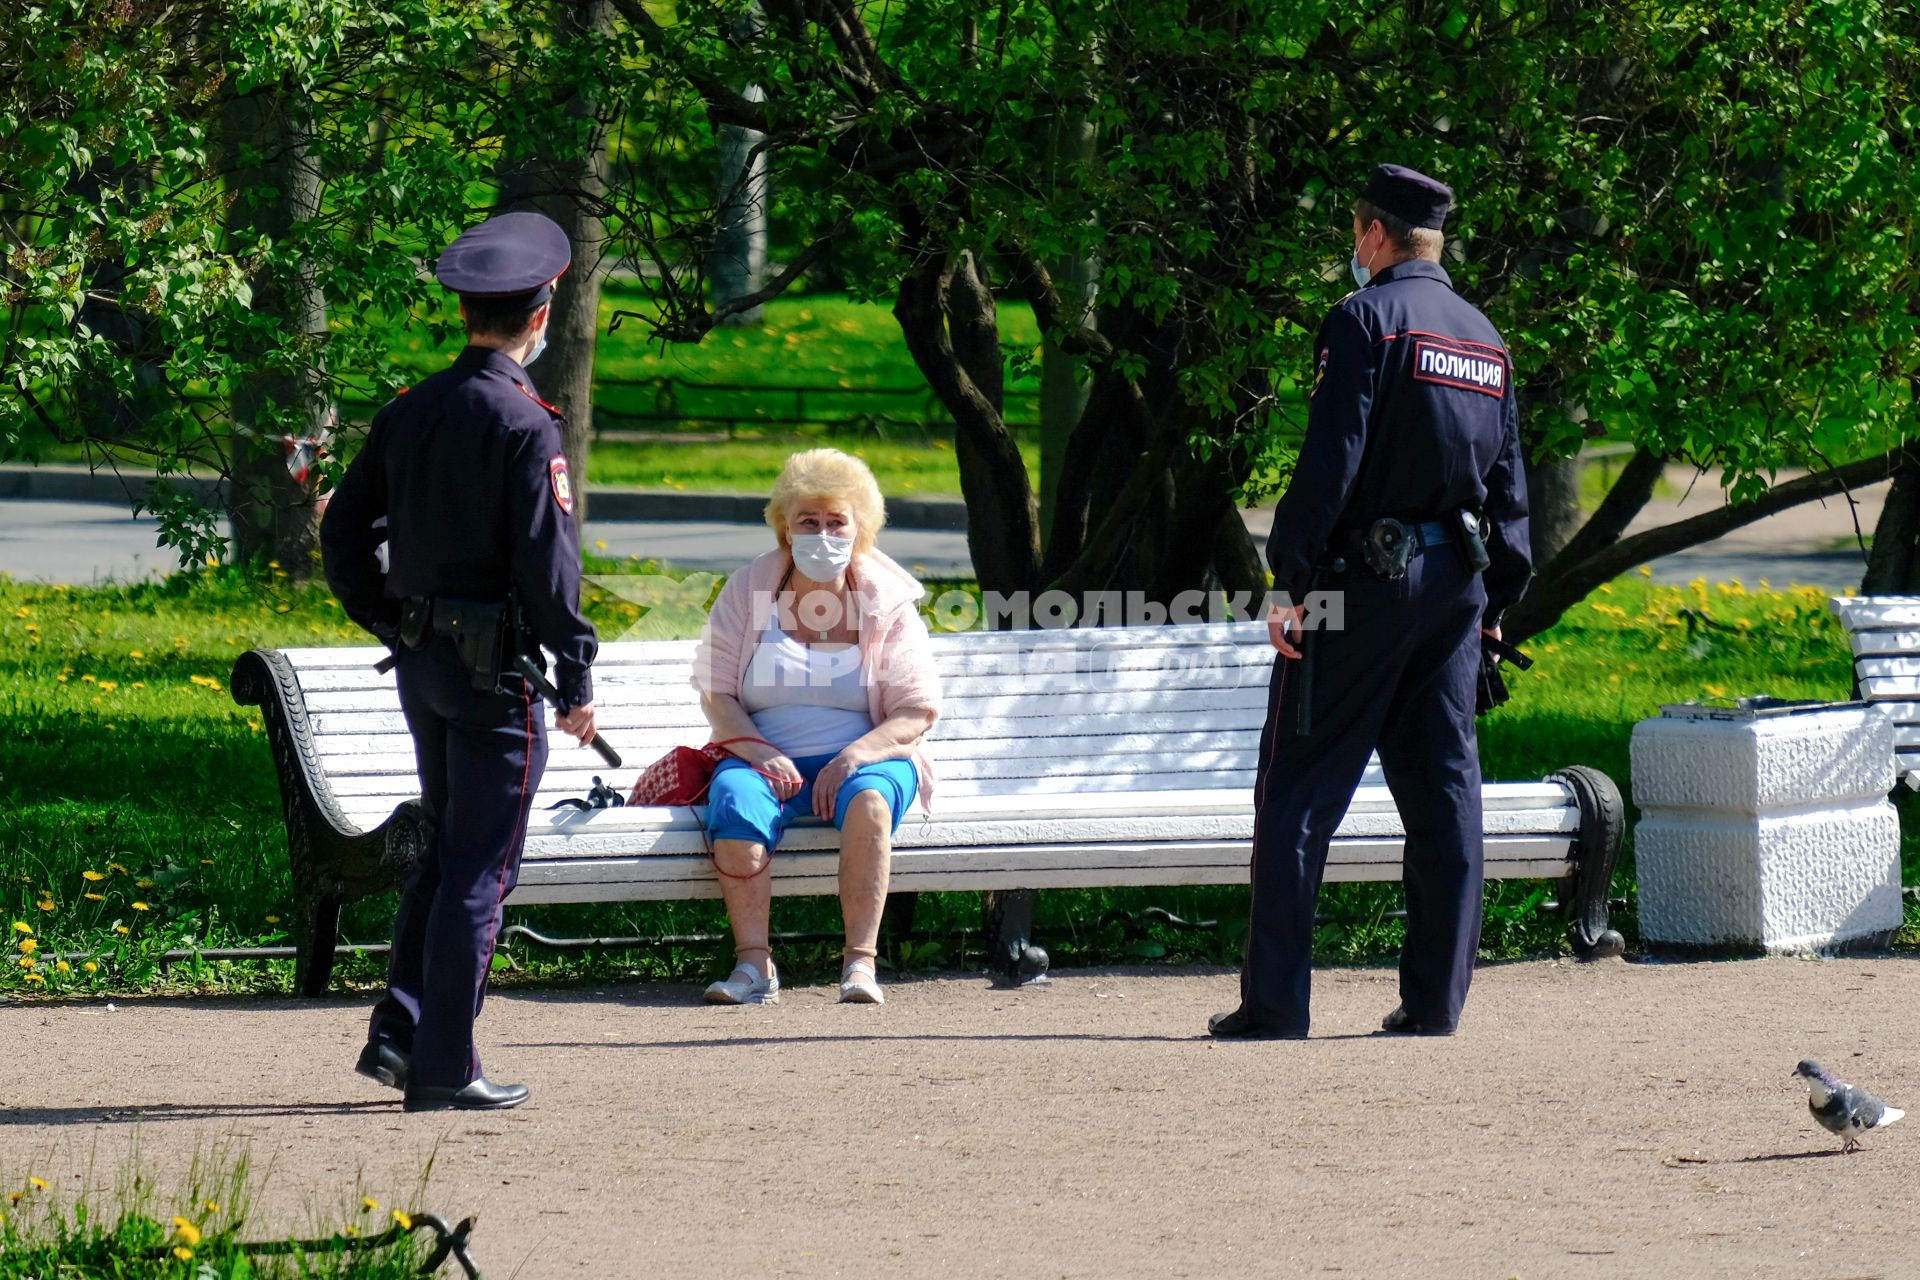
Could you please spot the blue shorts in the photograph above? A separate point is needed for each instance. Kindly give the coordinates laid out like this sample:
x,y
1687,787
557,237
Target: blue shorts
x,y
741,804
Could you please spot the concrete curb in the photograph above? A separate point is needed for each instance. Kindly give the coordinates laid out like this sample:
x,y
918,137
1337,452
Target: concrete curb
x,y
77,484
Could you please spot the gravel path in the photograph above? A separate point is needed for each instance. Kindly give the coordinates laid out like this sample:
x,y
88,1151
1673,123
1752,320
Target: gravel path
x,y
1598,1120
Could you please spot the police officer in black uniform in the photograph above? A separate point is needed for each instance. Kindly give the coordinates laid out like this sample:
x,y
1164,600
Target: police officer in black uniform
x,y
1410,499
464,479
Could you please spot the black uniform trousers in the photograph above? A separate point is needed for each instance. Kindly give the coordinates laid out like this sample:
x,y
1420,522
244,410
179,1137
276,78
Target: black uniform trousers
x,y
1399,678
481,756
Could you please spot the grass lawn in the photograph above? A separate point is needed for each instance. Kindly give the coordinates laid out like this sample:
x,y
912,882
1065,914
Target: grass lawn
x,y
139,810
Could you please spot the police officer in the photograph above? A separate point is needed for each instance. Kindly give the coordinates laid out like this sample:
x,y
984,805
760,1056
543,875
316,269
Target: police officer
x,y
464,479
1410,499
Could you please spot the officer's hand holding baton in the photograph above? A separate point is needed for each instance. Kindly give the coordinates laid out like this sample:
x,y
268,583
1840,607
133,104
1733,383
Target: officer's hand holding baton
x,y
1280,621
577,721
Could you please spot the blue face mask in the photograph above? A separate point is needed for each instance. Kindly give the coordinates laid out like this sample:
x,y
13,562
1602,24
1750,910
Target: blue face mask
x,y
1360,274
539,345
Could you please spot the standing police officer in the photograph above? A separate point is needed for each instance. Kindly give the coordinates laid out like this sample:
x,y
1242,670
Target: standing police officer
x,y
1410,498
464,479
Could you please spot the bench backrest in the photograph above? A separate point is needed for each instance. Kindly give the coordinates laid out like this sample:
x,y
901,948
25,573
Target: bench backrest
x,y
1885,634
1173,708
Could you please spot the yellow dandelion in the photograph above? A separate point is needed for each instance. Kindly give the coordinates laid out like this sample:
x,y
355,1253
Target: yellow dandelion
x,y
206,862
181,1251
45,904
28,946
273,919
61,966
61,679
405,1220
38,1184
122,930
352,1230
139,684
186,1230
143,884
34,977
141,906
95,876
136,654
212,1207
21,926
90,967
88,680
114,866
23,612
373,1206
94,897
28,962
1716,691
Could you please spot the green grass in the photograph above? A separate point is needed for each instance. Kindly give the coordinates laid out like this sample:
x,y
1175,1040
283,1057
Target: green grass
x,y
199,1231
124,758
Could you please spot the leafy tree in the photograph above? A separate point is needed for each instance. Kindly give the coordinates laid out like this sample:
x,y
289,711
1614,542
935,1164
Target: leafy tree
x,y
1690,222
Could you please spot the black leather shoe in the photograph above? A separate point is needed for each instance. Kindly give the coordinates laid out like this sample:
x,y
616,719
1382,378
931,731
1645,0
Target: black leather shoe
x,y
1401,1023
1236,1025
381,1060
482,1095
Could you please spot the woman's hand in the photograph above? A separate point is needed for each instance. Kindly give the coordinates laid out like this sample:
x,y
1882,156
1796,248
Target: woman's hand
x,y
827,784
782,773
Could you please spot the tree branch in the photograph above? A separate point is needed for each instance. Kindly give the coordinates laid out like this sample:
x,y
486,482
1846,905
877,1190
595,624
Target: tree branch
x,y
1561,588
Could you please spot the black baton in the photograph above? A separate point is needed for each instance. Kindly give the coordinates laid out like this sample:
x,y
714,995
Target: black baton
x,y
539,681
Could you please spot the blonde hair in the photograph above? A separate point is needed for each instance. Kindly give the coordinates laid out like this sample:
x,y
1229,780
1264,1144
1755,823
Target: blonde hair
x,y
828,475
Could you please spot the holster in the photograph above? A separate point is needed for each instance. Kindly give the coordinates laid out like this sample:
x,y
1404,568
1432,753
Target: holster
x,y
481,632
1470,534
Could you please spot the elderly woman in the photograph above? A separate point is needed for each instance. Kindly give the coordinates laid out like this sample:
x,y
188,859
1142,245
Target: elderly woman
x,y
815,670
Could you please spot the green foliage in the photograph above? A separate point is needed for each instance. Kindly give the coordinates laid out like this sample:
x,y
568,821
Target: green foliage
x,y
198,1232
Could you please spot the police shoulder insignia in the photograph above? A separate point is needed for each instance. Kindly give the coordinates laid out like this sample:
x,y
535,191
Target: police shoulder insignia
x,y
1320,369
529,393
562,487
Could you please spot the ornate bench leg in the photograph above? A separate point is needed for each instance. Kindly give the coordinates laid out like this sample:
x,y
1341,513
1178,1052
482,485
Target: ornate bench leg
x,y
1011,955
316,927
1603,825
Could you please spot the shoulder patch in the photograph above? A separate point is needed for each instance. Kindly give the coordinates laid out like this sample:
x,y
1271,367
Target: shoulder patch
x,y
529,393
1456,362
1320,370
562,486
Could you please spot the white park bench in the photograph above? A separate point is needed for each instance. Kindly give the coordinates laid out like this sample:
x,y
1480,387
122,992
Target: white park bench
x,y
1885,634
1063,758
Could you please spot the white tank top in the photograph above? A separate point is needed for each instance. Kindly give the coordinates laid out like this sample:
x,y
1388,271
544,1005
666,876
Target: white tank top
x,y
807,702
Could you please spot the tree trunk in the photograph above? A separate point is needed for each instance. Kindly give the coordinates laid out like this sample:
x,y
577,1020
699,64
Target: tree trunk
x,y
738,262
1064,385
566,179
1893,568
1553,499
946,313
279,403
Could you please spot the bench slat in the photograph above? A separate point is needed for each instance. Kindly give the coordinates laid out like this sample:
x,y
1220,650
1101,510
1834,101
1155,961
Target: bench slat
x,y
667,878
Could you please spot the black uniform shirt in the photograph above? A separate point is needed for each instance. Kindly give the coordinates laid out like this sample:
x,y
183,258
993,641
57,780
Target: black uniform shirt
x,y
1413,415
468,472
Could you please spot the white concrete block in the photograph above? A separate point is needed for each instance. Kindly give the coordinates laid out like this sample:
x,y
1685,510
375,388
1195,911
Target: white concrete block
x,y
1771,832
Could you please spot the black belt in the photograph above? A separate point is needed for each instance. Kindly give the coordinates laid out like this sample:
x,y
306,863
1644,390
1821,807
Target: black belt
x,y
1349,543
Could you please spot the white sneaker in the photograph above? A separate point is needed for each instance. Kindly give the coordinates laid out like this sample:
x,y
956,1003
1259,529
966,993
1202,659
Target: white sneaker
x,y
858,985
745,986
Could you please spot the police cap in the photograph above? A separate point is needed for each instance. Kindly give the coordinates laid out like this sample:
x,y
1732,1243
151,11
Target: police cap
x,y
507,256
1409,195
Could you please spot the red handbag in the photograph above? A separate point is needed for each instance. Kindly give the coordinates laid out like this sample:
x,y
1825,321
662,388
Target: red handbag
x,y
683,775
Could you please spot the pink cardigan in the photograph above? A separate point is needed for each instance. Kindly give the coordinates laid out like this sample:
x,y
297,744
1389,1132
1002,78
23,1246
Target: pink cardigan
x,y
895,656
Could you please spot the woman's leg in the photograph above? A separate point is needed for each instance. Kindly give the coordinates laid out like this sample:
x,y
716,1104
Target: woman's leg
x,y
743,821
866,848
747,889
868,811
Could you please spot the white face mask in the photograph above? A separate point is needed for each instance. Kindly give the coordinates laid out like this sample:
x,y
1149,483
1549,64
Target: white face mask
x,y
821,556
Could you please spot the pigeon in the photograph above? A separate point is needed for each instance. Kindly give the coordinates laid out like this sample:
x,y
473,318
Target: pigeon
x,y
1840,1108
